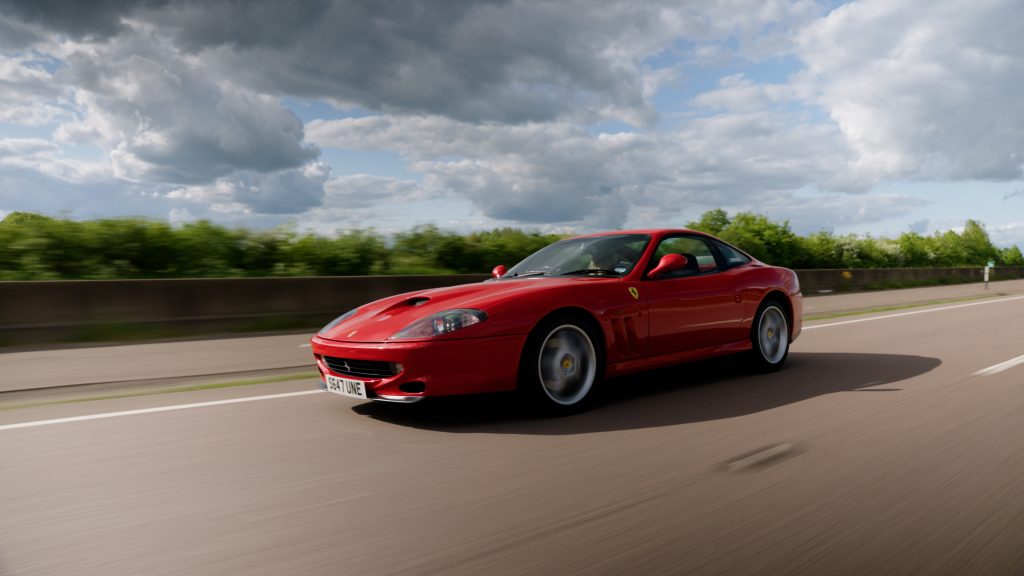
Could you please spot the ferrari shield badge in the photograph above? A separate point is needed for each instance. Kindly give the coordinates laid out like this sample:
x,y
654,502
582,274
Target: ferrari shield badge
x,y
634,293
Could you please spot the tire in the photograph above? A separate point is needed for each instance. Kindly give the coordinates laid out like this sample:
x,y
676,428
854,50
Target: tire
x,y
561,365
769,336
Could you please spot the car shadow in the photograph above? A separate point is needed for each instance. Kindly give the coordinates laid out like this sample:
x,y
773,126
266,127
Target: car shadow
x,y
695,392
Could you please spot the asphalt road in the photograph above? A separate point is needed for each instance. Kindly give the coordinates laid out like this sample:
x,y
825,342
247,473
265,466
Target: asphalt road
x,y
891,444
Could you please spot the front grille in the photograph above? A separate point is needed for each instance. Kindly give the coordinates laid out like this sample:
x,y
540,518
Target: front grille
x,y
361,368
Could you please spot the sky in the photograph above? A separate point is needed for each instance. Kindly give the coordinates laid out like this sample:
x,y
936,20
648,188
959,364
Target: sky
x,y
868,117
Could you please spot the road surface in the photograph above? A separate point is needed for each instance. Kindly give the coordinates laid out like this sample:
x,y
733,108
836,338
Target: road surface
x,y
892,443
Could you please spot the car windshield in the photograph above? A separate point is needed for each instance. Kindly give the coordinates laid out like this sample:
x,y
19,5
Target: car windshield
x,y
594,255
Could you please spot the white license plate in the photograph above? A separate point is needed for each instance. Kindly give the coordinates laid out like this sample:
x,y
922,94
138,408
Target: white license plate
x,y
346,387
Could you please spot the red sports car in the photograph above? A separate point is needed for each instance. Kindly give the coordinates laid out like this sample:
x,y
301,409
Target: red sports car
x,y
568,316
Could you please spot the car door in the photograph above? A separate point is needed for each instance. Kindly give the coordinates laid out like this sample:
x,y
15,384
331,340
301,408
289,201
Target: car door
x,y
693,308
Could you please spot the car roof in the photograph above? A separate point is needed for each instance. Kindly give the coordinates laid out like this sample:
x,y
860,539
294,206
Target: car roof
x,y
648,231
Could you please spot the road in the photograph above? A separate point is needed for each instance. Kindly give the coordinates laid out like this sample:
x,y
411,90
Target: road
x,y
892,443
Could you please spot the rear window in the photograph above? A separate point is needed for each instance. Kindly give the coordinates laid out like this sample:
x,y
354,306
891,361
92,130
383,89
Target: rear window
x,y
732,257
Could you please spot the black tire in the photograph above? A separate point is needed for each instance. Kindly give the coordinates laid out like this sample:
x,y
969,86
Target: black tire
x,y
561,366
770,336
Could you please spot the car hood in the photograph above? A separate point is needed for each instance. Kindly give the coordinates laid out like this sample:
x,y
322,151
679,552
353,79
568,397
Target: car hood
x,y
381,319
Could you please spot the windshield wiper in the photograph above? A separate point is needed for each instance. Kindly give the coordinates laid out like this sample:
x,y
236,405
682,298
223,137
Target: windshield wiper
x,y
530,273
590,271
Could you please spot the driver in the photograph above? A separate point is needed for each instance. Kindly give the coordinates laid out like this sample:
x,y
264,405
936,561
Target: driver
x,y
609,256
603,260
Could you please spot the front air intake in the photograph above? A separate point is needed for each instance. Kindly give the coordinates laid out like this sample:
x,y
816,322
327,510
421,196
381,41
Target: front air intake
x,y
360,368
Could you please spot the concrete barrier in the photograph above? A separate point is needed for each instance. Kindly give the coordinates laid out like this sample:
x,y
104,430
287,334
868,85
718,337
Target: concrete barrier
x,y
852,279
51,311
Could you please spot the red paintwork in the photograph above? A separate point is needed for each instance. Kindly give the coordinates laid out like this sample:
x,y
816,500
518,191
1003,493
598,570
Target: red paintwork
x,y
671,321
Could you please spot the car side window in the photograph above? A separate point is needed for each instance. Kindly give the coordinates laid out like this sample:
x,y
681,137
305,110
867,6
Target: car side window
x,y
700,259
732,257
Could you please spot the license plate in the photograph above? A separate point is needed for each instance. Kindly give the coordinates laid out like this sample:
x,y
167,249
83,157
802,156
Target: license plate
x,y
346,387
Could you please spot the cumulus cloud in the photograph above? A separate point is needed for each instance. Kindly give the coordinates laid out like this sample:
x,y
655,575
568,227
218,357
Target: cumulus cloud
x,y
559,172
45,157
923,91
28,93
465,59
365,190
1011,234
538,173
505,105
283,192
16,35
166,119
75,19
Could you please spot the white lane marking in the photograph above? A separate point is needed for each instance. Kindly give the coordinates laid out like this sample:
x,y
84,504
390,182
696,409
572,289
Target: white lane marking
x,y
150,410
306,345
1002,366
913,313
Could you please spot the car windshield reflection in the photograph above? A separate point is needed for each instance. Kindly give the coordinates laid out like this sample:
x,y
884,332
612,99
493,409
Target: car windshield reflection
x,y
613,255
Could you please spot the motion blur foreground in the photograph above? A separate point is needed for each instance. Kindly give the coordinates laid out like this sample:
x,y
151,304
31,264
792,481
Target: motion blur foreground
x,y
884,447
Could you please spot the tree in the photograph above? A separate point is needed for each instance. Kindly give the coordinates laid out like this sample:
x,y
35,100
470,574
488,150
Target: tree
x,y
977,247
767,241
712,222
1011,256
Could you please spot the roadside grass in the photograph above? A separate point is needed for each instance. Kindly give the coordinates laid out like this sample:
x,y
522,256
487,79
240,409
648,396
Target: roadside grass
x,y
167,390
828,316
115,332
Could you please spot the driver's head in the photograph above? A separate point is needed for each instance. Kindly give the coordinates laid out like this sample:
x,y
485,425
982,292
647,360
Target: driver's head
x,y
604,255
604,260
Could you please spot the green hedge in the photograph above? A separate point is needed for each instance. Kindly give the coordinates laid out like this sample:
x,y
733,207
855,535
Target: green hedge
x,y
35,247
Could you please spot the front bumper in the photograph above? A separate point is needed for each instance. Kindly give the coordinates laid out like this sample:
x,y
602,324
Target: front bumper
x,y
439,367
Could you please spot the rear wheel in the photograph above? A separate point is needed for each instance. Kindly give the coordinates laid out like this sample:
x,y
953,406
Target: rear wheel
x,y
769,337
561,365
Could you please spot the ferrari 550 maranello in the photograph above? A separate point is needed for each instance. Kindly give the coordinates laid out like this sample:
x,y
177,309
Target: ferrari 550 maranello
x,y
556,325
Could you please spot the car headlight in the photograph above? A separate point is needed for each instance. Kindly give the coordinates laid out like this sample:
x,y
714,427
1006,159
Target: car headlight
x,y
442,323
337,321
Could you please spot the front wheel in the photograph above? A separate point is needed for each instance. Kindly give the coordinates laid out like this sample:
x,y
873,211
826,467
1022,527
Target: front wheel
x,y
770,337
561,365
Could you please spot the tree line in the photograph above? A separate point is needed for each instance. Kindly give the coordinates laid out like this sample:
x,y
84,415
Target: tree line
x,y
36,247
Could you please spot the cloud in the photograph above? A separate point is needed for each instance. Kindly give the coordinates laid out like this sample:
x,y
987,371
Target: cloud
x,y
365,190
45,157
24,147
1007,234
831,211
16,35
925,92
536,173
29,96
78,20
920,226
283,192
557,172
465,59
165,119
504,106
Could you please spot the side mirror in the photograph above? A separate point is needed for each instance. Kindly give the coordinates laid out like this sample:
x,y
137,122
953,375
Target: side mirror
x,y
499,271
668,263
